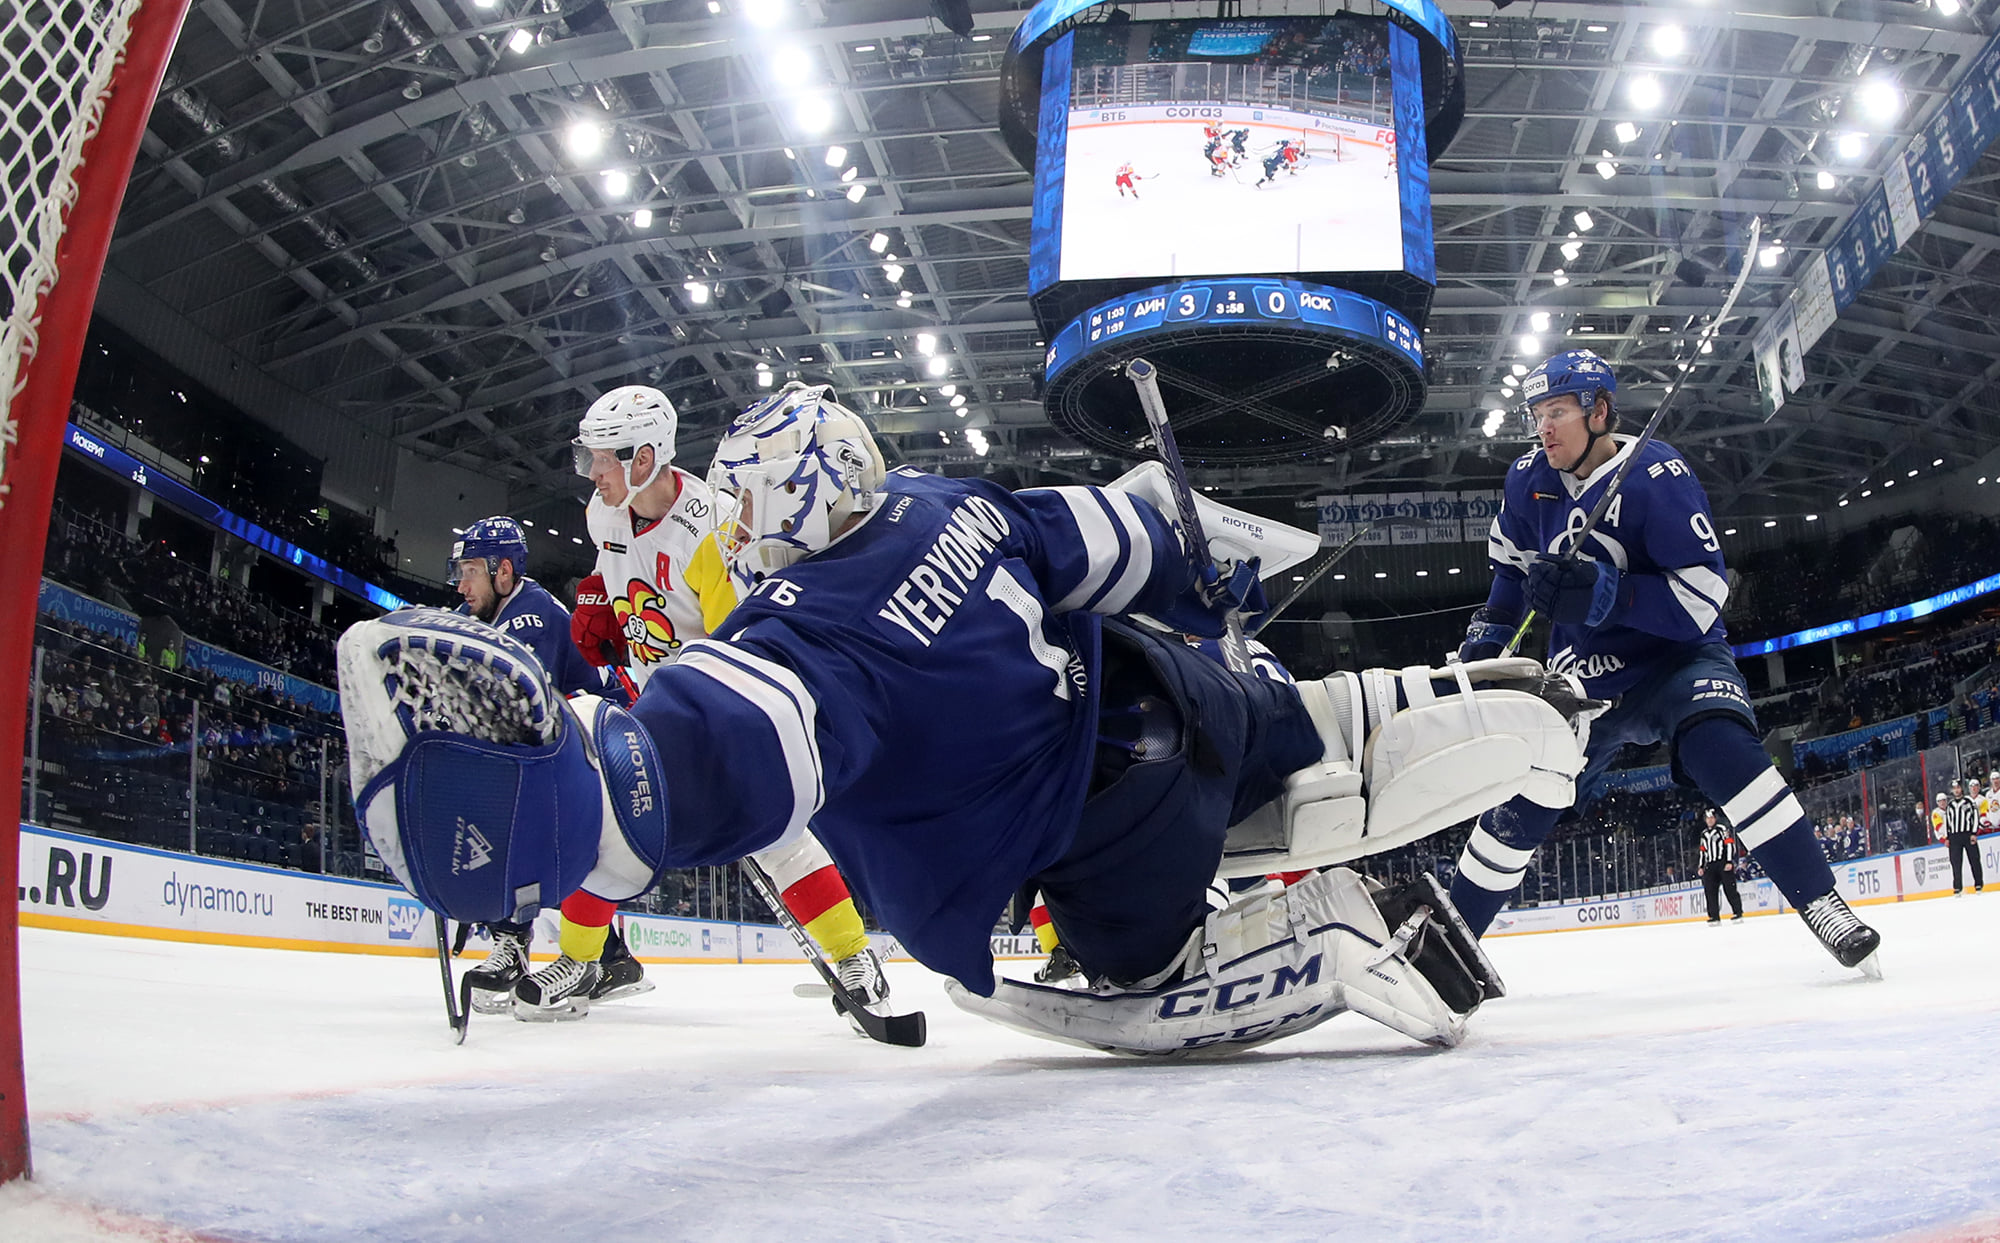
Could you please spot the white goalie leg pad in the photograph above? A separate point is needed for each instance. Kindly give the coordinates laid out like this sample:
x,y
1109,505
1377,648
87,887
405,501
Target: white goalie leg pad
x,y
1442,760
1271,964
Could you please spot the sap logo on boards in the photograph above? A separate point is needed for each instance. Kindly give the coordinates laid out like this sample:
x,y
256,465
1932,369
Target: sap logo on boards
x,y
69,881
405,917
1602,913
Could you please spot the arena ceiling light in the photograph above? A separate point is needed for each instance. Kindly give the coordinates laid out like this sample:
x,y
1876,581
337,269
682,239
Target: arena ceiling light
x,y
1769,523
697,292
584,139
1768,257
1939,462
951,390
814,115
764,12
764,379
484,4
937,366
1558,277
879,243
1583,220
643,218
855,192
1881,100
894,271
1825,180
1946,8
792,63
853,171
1520,370
1626,131
1644,92
1669,40
904,299
927,345
520,41
1539,321
1606,169
617,182
1570,250
835,157
1849,145
1531,344
958,401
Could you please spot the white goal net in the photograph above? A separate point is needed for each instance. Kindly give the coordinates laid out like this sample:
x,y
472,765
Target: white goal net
x,y
56,62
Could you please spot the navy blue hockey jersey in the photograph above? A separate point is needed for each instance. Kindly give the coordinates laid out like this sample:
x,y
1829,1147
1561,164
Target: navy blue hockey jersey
x,y
1657,530
538,619
923,692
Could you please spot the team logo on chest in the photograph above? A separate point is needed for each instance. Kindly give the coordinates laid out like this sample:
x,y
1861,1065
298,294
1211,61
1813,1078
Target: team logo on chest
x,y
642,617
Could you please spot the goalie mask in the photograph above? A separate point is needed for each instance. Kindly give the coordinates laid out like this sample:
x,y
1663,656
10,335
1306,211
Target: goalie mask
x,y
788,474
622,422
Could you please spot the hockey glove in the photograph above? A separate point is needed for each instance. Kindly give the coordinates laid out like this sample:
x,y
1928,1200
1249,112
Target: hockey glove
x,y
1203,609
1572,592
593,627
1486,638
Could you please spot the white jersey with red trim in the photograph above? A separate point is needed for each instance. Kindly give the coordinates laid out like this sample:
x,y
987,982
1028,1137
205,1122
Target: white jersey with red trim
x,y
645,566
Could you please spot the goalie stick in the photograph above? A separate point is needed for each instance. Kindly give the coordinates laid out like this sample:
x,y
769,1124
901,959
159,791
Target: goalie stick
x,y
1685,369
908,1030
1145,379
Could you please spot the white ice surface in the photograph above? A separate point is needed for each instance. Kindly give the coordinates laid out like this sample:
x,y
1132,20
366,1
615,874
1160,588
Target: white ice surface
x,y
1331,216
1676,1082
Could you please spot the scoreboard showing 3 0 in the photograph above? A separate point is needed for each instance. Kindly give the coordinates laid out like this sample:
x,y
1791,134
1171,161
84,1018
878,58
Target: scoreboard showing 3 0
x,y
1250,197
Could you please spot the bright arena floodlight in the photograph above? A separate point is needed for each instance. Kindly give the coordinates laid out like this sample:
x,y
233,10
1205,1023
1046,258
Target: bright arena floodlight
x,y
879,243
1669,40
584,139
1881,99
1849,146
814,114
835,157
1644,92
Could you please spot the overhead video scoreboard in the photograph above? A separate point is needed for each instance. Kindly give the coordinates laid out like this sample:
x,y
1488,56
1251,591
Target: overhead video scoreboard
x,y
1248,200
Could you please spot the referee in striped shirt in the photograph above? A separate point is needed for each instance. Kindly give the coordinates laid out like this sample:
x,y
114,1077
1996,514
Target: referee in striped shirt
x,y
1961,823
1718,868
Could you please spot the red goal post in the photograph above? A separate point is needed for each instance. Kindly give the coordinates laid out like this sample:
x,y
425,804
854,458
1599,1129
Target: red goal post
x,y
77,82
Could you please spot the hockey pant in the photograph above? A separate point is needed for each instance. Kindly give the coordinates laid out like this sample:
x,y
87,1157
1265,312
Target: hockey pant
x,y
1714,750
1716,879
1963,846
1188,749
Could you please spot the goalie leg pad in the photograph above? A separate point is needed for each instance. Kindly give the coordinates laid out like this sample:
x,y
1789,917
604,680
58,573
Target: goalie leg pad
x,y
1268,965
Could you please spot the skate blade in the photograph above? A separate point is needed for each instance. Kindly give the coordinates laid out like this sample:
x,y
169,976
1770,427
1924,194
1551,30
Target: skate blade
x,y
562,1012
624,990
811,992
1871,966
491,1002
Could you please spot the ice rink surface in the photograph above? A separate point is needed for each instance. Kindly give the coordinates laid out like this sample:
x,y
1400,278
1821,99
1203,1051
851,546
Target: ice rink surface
x,y
1665,1082
1332,215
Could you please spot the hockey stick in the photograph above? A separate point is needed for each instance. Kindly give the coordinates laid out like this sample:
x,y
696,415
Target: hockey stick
x,y
1685,369
457,1005
1291,598
908,1030
1145,378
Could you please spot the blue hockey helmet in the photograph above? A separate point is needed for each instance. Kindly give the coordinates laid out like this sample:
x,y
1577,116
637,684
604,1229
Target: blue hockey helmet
x,y
1580,372
492,540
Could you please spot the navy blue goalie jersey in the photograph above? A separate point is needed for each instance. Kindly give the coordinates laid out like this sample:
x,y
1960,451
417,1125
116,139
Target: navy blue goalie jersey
x,y
1657,531
923,693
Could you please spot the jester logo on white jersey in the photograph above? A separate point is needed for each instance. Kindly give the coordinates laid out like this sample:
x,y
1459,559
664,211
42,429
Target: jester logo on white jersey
x,y
642,617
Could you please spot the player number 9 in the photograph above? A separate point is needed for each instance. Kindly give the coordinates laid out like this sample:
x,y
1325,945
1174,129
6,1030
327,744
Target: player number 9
x,y
1704,531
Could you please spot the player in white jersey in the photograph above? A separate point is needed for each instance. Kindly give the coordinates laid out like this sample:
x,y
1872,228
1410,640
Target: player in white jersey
x,y
660,584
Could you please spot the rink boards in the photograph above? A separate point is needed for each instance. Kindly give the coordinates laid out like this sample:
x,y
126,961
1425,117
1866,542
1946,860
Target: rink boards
x,y
86,884
1906,875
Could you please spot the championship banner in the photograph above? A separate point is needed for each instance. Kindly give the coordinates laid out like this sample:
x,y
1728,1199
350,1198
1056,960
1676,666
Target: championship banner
x,y
225,663
1403,518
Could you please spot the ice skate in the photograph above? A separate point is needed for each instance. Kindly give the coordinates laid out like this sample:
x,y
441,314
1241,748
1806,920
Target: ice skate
x,y
620,977
558,992
1058,968
861,975
1850,941
493,981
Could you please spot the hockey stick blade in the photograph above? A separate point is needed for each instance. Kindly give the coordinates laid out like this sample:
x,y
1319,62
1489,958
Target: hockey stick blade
x,y
1145,379
908,1030
1684,367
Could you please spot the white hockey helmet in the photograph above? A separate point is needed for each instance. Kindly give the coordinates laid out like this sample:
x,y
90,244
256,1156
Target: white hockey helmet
x,y
788,472
621,422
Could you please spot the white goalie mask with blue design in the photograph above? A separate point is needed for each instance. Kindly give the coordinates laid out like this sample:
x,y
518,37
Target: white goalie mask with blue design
x,y
788,474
